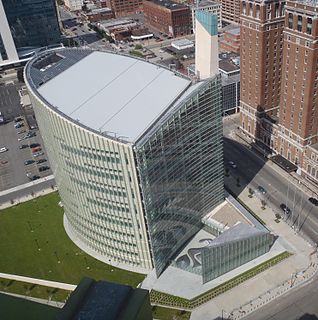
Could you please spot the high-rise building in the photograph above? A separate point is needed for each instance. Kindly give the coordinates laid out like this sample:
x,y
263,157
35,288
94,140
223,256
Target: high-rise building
x,y
230,10
298,118
262,25
207,5
136,152
279,80
25,24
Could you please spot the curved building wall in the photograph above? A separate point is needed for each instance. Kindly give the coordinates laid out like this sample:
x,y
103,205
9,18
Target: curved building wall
x,y
98,185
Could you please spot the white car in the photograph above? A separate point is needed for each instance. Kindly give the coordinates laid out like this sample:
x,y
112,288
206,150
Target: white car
x,y
232,164
37,154
3,149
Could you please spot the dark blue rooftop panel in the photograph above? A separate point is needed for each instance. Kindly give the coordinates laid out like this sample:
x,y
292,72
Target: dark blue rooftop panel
x,y
104,301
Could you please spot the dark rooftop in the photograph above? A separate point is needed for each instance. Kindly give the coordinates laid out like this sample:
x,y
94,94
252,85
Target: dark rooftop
x,y
101,300
228,66
169,4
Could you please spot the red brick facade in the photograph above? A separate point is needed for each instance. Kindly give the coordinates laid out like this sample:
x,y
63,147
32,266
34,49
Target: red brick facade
x,y
123,8
279,80
168,17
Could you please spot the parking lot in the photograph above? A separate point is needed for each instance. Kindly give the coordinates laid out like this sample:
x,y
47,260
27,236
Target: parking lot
x,y
13,170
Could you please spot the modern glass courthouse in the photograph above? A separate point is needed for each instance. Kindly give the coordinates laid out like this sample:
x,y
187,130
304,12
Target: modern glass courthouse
x,y
136,150
26,24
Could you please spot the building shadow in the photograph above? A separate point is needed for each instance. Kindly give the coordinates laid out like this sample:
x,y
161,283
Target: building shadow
x,y
241,165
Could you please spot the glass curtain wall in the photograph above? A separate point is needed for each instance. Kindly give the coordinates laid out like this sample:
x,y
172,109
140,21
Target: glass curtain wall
x,y
181,171
33,23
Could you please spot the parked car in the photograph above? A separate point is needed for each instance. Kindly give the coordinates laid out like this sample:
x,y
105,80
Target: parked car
x,y
30,135
41,161
33,145
19,125
36,149
18,119
43,168
3,149
23,146
313,201
35,177
27,162
285,208
232,164
37,154
260,189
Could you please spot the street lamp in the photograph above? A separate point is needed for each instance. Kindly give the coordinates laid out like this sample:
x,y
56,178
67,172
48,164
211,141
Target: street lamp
x,y
57,258
37,244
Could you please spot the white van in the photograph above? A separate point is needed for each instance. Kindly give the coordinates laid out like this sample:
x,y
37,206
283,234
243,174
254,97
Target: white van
x,y
3,149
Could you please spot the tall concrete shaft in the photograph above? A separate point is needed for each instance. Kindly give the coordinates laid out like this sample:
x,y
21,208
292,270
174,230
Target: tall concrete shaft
x,y
6,36
206,45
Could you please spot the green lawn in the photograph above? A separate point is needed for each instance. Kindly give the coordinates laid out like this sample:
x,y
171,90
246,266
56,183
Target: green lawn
x,y
15,308
169,314
33,242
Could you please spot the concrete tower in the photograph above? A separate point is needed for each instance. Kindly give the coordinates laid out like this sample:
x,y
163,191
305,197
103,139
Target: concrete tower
x,y
206,45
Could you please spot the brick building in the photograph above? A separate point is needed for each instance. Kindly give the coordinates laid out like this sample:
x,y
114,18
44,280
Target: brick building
x,y
168,17
298,118
123,8
231,41
230,10
261,56
279,80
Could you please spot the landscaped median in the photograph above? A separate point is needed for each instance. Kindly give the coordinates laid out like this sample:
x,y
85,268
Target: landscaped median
x,y
165,299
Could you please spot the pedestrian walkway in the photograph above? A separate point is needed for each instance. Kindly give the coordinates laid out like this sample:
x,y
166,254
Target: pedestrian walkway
x,y
45,283
271,283
14,200
49,302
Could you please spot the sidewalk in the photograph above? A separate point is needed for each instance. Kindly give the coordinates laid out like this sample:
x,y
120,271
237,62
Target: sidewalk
x,y
271,283
29,196
40,282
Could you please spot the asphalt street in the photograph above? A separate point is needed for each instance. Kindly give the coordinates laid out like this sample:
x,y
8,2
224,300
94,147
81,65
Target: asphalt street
x,y
253,171
299,304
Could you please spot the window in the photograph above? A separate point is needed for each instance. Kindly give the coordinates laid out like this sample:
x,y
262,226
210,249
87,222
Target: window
x,y
250,9
257,11
309,25
276,10
299,23
290,20
244,8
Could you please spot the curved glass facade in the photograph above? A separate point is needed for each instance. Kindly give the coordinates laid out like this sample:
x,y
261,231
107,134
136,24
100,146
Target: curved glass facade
x,y
33,23
135,202
180,165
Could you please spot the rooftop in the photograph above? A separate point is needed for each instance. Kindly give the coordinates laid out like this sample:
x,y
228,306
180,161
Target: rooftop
x,y
207,3
235,32
109,93
169,4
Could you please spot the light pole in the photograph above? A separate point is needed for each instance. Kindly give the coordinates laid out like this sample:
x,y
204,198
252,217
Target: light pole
x,y
37,244
57,258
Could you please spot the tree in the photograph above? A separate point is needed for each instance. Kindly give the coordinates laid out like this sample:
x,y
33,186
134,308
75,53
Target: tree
x,y
263,202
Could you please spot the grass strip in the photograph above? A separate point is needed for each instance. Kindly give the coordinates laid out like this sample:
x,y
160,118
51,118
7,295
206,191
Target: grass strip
x,y
182,303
